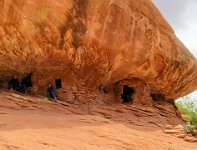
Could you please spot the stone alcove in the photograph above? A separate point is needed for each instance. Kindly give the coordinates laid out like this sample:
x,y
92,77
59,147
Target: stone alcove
x,y
140,92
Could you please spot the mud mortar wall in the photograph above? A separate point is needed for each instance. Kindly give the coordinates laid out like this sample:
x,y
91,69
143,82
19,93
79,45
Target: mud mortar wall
x,y
142,93
73,88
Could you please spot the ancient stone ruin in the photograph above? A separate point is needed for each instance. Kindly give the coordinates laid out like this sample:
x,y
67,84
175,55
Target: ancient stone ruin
x,y
92,49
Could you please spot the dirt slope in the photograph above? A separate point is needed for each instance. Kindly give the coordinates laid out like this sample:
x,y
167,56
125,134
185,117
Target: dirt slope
x,y
29,123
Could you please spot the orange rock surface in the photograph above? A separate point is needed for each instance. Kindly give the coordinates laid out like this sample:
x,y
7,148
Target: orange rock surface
x,y
86,43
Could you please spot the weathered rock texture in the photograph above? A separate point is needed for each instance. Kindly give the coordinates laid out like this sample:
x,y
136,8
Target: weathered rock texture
x,y
86,43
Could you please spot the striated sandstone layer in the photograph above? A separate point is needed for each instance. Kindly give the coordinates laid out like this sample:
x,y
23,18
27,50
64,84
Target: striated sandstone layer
x,y
40,124
87,43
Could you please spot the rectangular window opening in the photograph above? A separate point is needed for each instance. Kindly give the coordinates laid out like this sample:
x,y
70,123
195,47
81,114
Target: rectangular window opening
x,y
58,83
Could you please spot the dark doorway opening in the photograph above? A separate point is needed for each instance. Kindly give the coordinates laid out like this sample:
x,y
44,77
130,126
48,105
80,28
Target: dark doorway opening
x,y
127,94
27,80
58,83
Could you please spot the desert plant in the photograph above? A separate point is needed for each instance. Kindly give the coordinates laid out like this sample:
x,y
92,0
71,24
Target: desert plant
x,y
188,108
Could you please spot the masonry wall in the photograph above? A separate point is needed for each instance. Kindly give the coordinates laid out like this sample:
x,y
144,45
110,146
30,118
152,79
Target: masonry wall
x,y
73,88
141,94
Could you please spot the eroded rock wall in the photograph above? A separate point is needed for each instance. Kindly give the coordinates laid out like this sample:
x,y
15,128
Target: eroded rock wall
x,y
93,42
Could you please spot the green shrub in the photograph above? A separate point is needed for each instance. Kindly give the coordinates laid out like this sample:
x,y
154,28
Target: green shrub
x,y
188,108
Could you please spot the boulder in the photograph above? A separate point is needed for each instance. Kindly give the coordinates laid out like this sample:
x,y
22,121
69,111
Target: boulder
x,y
95,42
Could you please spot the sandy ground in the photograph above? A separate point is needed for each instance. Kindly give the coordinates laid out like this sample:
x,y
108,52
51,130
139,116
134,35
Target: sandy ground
x,y
53,127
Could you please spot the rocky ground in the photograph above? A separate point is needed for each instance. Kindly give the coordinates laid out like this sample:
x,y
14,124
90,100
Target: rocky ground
x,y
33,122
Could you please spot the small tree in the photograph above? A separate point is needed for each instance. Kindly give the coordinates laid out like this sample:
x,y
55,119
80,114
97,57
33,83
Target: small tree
x,y
188,108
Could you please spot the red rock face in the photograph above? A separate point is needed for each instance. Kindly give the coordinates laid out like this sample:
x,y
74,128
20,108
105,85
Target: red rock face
x,y
86,43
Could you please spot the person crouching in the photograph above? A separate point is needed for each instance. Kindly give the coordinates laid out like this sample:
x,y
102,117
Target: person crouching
x,y
15,85
51,92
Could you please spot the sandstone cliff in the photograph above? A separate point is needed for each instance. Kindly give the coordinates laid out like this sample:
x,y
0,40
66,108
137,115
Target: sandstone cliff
x,y
87,43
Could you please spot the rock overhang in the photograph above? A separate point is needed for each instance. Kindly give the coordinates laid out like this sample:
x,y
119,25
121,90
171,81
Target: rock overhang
x,y
94,42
